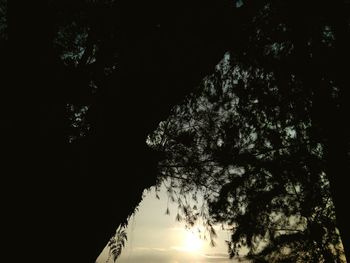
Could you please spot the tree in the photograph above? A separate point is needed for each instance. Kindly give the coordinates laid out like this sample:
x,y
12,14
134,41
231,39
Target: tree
x,y
309,41
251,148
290,86
86,81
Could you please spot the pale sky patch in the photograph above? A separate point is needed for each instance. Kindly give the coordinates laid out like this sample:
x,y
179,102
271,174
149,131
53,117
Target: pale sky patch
x,y
154,237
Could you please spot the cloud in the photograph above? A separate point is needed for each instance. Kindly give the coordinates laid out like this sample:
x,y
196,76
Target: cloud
x,y
151,249
216,256
159,255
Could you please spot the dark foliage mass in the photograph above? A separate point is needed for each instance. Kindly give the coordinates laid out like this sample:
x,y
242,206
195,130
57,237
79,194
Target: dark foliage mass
x,y
85,81
261,169
257,137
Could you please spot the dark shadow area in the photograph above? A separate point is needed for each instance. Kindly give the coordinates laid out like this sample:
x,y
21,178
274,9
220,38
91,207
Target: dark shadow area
x,y
86,81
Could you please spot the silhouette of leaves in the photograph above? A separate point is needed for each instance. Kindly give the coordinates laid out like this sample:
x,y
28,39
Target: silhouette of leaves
x,y
260,168
117,243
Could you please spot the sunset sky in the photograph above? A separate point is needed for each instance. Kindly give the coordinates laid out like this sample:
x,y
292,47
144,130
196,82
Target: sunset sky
x,y
154,237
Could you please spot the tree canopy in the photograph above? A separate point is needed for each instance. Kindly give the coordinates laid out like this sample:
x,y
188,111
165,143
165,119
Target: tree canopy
x,y
259,136
87,80
84,83
260,167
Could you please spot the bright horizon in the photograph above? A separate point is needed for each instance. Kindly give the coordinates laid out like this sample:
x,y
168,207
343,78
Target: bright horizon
x,y
154,237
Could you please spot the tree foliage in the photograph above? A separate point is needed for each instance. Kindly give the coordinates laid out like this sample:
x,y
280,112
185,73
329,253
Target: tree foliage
x,y
90,78
258,163
254,137
117,243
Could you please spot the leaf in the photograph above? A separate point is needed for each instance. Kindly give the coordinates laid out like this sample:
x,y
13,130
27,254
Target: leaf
x,y
178,217
167,212
117,242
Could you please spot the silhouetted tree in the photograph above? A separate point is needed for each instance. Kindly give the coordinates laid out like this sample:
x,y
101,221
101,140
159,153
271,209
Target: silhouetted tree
x,y
309,43
277,109
85,81
251,148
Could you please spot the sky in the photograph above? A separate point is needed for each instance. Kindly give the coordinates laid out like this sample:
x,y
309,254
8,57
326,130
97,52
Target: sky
x,y
154,237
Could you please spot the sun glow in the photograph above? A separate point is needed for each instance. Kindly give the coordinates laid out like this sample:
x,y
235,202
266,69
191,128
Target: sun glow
x,y
192,242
